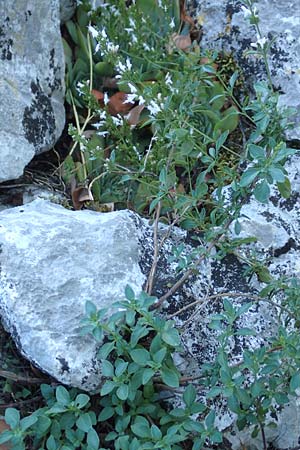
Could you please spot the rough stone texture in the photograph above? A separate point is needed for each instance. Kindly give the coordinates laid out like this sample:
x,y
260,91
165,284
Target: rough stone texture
x,y
54,259
32,113
67,9
225,28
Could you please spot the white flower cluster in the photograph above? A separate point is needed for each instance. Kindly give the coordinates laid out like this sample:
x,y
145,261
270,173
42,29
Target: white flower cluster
x,y
155,106
248,13
81,86
122,68
260,42
104,45
134,96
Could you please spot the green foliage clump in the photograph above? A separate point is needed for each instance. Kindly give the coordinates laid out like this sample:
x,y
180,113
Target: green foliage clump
x,y
158,128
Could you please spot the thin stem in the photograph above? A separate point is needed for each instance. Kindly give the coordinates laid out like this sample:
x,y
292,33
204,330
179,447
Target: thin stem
x,y
149,285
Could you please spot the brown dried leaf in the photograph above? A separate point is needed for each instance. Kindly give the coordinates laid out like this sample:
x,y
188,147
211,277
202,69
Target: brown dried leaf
x,y
98,96
116,104
133,117
80,195
3,427
182,42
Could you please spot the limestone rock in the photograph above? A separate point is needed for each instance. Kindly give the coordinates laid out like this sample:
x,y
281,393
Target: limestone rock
x,y
53,260
225,28
32,112
67,9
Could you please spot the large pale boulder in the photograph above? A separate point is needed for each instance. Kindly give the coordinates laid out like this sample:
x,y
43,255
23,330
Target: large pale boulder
x,y
52,261
225,28
32,112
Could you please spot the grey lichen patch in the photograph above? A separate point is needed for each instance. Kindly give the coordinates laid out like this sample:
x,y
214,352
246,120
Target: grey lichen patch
x,y
6,42
38,119
54,82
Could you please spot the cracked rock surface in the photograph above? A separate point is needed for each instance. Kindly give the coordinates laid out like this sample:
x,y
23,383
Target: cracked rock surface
x,y
226,29
32,114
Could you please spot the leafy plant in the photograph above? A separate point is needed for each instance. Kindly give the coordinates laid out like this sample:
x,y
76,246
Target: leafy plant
x,y
156,128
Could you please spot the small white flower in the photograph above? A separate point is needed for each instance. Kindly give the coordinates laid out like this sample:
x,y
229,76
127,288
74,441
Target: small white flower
x,y
106,98
111,47
246,11
102,115
132,88
121,67
103,33
118,121
260,42
132,22
141,100
128,64
98,125
168,79
172,23
93,31
146,47
130,98
102,133
154,108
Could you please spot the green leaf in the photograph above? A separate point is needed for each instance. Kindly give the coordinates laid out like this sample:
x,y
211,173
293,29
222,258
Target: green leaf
x,y
122,392
71,27
214,392
277,174
245,332
233,79
129,293
120,366
210,420
140,356
98,334
257,152
82,400
147,375
107,369
249,176
104,69
141,430
107,387
171,337
27,422
138,333
156,434
229,122
159,356
90,308
5,436
62,395
237,227
84,422
170,377
221,139
106,413
51,443
295,382
189,395
43,424
285,188
262,192
12,417
93,439
105,350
